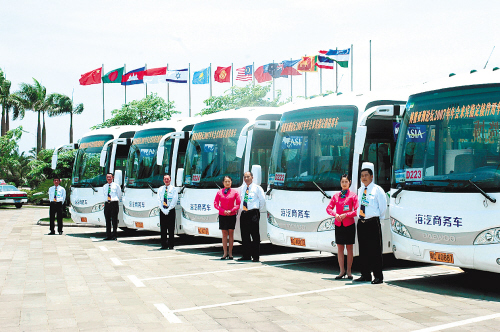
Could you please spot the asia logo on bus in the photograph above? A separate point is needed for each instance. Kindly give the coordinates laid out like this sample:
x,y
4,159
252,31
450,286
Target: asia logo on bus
x,y
416,133
293,142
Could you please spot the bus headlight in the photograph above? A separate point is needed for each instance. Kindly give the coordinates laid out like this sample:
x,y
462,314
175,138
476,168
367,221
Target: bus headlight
x,y
98,207
399,228
154,212
327,225
272,220
184,214
489,236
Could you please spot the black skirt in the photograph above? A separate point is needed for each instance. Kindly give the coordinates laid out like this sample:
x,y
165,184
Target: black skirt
x,y
227,222
345,235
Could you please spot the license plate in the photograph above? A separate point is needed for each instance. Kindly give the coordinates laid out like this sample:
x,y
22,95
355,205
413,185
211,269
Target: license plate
x,y
203,230
17,201
84,219
298,242
441,257
139,224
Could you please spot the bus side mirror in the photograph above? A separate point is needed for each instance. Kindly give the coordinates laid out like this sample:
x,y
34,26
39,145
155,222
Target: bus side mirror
x,y
179,177
257,174
102,161
359,142
118,177
240,147
54,159
159,154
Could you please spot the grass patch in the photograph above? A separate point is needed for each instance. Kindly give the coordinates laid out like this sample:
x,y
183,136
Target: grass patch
x,y
65,220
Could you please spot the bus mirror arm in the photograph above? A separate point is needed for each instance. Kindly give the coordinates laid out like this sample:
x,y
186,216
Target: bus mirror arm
x,y
491,199
152,189
397,192
268,193
182,190
322,191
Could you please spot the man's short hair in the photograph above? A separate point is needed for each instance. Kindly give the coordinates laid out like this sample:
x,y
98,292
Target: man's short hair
x,y
248,172
109,173
369,170
166,175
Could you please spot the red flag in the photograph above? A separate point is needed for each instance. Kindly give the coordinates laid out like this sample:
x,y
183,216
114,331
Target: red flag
x,y
92,77
156,71
260,76
223,74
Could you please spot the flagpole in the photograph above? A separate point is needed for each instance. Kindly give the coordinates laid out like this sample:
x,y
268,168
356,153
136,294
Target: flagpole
x,y
352,65
321,81
232,77
210,78
168,90
370,65
189,81
291,84
124,71
102,73
273,81
253,71
145,68
336,74
305,83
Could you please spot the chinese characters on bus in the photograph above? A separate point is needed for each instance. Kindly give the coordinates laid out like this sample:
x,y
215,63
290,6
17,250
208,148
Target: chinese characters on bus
x,y
292,213
310,124
439,221
214,134
146,140
200,207
94,144
464,112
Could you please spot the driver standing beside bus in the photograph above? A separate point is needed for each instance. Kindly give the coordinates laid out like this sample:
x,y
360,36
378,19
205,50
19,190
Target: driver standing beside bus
x,y
372,206
167,200
112,195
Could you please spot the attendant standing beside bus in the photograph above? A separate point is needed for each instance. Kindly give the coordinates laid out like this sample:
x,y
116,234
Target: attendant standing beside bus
x,y
343,207
227,202
113,194
167,200
57,197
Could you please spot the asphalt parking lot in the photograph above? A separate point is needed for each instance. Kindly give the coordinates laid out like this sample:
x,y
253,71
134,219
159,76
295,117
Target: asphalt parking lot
x,y
76,282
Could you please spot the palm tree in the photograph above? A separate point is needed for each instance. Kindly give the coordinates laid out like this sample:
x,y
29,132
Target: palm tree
x,y
62,105
34,98
8,102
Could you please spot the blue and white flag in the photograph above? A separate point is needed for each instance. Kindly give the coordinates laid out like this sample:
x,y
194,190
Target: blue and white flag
x,y
202,76
177,76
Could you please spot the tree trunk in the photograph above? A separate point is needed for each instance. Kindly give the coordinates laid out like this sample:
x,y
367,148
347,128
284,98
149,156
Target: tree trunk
x,y
70,127
3,131
7,121
38,136
44,133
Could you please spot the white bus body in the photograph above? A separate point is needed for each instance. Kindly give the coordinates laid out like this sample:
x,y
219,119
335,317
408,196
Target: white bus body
x,y
225,143
157,149
445,196
318,141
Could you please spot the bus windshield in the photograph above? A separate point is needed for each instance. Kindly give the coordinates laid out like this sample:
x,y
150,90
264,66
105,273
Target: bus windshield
x,y
450,138
313,145
87,170
211,154
141,163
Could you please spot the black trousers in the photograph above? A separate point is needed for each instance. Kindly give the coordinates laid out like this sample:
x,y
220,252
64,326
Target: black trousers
x,y
167,225
56,209
370,247
249,226
111,215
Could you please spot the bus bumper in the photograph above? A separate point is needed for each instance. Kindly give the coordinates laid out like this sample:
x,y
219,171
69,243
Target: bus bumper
x,y
322,241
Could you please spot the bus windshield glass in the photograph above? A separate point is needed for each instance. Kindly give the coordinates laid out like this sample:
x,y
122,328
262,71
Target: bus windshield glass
x,y
211,154
87,170
313,145
141,163
449,141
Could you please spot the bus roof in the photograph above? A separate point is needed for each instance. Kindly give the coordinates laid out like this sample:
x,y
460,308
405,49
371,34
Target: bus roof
x,y
178,124
250,113
116,131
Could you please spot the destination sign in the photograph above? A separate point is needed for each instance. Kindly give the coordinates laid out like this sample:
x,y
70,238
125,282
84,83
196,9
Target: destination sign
x,y
456,112
323,123
94,144
147,140
214,134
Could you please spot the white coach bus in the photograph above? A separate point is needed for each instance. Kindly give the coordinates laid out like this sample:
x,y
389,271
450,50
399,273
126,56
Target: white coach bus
x,y
317,141
444,205
226,143
158,148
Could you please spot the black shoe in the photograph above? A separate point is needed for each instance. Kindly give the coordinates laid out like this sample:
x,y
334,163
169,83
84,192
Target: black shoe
x,y
244,259
60,233
170,248
223,257
230,258
163,248
340,276
377,281
52,233
107,239
349,277
255,260
362,278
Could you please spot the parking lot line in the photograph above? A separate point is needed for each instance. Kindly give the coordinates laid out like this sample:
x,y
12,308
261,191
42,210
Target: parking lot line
x,y
116,261
103,248
167,313
145,258
136,281
459,323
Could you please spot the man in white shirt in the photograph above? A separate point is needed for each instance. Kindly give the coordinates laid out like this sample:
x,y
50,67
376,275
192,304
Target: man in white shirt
x,y
112,196
253,202
372,206
57,197
167,200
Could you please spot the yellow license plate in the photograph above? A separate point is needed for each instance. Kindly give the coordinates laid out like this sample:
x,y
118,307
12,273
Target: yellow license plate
x,y
203,230
441,257
84,219
139,224
298,242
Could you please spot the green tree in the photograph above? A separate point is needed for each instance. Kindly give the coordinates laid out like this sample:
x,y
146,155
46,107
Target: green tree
x,y
9,154
236,97
149,109
7,101
62,105
40,168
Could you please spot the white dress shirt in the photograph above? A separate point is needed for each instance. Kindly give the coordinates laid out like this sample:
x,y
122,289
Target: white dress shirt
x,y
116,192
61,194
375,202
256,198
172,197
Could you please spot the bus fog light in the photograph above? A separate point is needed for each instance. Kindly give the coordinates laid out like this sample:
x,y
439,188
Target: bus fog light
x,y
393,248
271,220
489,236
154,212
399,228
98,207
334,244
327,225
498,261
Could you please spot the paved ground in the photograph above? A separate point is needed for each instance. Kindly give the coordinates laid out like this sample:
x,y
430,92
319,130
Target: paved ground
x,y
77,283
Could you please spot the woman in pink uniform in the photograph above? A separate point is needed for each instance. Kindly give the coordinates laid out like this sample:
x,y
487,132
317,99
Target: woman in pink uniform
x,y
343,207
227,201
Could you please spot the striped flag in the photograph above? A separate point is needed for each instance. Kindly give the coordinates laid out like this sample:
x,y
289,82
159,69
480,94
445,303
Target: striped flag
x,y
244,73
340,56
325,62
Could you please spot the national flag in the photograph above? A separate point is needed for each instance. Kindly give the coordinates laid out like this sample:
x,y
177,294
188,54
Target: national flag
x,y
288,68
340,56
155,75
114,76
202,76
308,64
177,76
244,73
274,69
133,77
223,74
260,76
92,77
325,62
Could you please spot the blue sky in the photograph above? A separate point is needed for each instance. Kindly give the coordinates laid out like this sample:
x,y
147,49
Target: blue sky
x,y
57,41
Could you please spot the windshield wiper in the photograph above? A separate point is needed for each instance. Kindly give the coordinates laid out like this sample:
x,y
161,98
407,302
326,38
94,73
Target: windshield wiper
x,y
322,191
90,184
491,199
152,189
481,191
216,184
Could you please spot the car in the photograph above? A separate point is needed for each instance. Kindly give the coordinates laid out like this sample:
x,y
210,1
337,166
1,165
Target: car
x,y
11,195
